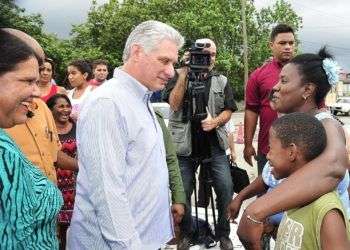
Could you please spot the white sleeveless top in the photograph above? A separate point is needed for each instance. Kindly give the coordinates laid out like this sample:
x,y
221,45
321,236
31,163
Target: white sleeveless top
x,y
76,102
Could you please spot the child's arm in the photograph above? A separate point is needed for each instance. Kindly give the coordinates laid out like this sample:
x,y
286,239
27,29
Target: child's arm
x,y
333,232
257,187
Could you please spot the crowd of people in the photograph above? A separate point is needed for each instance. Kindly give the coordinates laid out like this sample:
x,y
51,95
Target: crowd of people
x,y
96,167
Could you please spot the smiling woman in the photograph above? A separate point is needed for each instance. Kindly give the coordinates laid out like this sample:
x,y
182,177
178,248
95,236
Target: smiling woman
x,y
29,201
61,109
17,77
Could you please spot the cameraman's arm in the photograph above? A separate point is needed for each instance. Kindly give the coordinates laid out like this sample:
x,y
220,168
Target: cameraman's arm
x,y
177,94
223,118
229,106
211,123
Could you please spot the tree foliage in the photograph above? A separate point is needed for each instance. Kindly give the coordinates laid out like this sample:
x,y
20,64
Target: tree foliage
x,y
13,16
104,33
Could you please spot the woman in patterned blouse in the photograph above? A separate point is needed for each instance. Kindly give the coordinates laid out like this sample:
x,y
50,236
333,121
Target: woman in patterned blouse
x,y
61,109
29,201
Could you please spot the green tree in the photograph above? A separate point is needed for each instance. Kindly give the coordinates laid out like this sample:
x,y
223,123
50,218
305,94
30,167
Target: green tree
x,y
14,17
108,26
104,33
60,50
280,12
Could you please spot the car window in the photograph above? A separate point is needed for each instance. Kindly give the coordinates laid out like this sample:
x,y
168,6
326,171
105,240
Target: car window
x,y
343,101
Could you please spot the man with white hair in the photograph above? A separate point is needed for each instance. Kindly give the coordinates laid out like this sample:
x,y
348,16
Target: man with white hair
x,y
197,125
122,198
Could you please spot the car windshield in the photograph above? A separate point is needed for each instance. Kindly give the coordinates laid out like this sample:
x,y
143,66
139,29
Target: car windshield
x,y
343,100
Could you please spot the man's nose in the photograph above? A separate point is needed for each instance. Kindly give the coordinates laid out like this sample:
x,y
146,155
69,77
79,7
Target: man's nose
x,y
288,46
170,71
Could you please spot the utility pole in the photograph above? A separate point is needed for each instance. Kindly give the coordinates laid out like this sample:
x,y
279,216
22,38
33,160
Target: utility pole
x,y
245,41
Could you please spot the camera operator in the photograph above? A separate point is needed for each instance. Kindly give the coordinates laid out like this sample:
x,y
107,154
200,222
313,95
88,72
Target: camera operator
x,y
201,103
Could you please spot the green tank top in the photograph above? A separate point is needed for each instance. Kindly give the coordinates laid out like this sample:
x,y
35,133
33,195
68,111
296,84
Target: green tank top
x,y
300,228
29,201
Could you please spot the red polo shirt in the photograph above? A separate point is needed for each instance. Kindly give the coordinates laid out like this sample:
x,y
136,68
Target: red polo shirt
x,y
258,88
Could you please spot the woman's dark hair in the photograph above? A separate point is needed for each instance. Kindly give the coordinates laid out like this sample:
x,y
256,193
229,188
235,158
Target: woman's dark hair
x,y
50,61
310,67
84,67
12,52
51,102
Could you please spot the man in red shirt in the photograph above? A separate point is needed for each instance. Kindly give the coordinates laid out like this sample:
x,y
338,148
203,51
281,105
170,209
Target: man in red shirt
x,y
258,88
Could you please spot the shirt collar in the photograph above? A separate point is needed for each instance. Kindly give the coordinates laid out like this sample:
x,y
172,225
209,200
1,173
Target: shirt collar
x,y
277,63
139,89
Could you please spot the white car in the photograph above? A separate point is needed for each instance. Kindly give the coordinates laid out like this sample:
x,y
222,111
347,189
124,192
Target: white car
x,y
341,106
163,108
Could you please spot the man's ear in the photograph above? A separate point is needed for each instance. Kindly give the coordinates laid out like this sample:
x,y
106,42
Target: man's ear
x,y
135,52
293,152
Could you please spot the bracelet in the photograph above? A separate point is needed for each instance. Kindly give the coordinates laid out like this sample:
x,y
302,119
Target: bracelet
x,y
254,220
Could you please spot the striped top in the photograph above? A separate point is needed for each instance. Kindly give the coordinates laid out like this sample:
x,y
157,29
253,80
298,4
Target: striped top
x,y
29,201
122,194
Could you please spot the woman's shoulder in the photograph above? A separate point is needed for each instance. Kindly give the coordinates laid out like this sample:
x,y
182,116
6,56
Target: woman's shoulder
x,y
327,118
71,91
61,90
332,124
12,156
6,143
324,115
15,162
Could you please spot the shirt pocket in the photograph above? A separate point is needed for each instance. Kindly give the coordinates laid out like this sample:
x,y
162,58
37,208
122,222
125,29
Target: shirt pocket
x,y
181,136
219,101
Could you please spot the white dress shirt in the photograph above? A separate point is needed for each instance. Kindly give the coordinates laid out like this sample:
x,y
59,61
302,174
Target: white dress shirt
x,y
122,197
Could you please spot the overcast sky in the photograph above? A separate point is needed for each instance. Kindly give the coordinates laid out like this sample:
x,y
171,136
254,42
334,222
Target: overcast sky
x,y
325,22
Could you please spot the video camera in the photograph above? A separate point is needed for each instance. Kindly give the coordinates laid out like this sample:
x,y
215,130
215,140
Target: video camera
x,y
199,63
199,60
